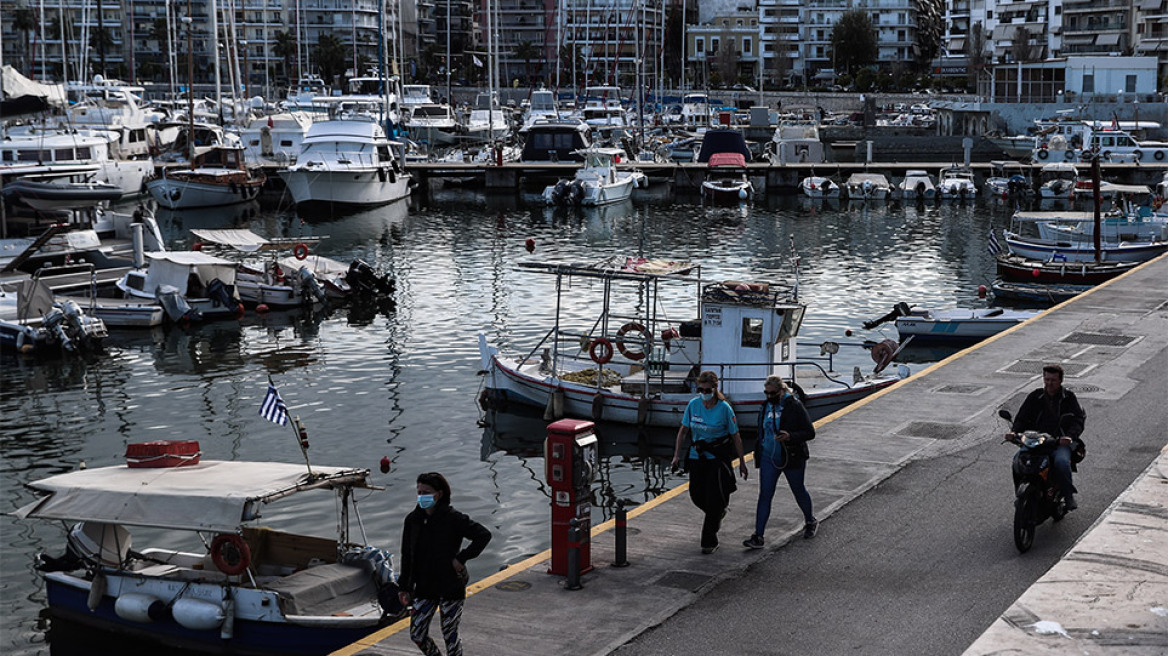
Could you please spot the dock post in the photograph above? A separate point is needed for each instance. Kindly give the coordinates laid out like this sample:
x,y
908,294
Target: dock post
x,y
622,522
573,582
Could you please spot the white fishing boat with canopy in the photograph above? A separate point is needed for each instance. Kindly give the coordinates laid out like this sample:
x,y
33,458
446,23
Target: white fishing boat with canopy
x,y
659,325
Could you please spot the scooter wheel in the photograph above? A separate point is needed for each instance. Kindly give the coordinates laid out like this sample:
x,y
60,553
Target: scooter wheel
x,y
1024,510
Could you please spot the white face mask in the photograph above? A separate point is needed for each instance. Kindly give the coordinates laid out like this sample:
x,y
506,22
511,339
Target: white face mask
x,y
707,396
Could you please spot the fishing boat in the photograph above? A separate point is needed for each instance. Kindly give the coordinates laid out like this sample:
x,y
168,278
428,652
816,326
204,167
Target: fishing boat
x,y
637,359
216,176
1029,292
952,325
232,585
1016,268
816,186
917,185
597,182
956,182
866,186
188,284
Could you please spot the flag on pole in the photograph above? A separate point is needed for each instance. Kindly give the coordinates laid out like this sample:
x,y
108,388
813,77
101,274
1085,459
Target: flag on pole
x,y
994,247
273,408
477,62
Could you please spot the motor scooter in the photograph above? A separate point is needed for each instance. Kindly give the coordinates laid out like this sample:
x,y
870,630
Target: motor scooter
x,y
1037,496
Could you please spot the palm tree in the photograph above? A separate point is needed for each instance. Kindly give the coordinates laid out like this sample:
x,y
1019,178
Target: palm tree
x,y
24,21
286,49
526,51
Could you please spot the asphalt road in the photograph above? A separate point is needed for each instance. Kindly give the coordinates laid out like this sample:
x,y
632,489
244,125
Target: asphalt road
x,y
924,562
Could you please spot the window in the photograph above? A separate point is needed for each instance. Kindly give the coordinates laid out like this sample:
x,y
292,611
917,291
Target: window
x,y
746,46
700,45
1088,83
751,332
714,45
1129,84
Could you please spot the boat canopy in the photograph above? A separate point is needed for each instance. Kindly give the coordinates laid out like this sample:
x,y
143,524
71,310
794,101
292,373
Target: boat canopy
x,y
174,268
211,496
723,141
244,240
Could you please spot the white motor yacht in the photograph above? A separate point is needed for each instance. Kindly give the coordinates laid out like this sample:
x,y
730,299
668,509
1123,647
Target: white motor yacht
x,y
917,185
42,153
349,162
598,182
957,183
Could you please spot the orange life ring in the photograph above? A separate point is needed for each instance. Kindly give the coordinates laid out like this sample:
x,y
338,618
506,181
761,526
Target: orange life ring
x,y
230,553
632,327
601,350
300,251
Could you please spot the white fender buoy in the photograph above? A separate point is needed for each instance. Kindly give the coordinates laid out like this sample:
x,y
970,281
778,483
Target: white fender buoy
x,y
96,591
137,607
197,614
741,194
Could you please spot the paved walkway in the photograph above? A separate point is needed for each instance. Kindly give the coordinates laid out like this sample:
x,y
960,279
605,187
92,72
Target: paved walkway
x,y
1106,333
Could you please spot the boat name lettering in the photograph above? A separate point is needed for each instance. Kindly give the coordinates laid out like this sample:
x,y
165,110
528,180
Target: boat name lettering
x,y
712,316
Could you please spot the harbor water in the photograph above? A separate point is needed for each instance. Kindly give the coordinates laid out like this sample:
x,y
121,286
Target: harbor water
x,y
403,381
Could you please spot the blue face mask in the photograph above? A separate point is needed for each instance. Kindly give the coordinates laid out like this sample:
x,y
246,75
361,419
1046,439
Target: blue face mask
x,y
426,501
707,396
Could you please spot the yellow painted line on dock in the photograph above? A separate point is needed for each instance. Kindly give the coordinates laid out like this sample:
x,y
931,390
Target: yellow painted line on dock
x,y
600,529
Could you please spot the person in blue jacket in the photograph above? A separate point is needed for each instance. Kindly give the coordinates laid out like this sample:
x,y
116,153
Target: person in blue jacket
x,y
710,421
784,428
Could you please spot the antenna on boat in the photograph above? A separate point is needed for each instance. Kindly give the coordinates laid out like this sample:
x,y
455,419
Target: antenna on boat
x,y
795,259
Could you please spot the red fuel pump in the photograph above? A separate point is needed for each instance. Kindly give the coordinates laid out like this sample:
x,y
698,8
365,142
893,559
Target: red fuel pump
x,y
570,457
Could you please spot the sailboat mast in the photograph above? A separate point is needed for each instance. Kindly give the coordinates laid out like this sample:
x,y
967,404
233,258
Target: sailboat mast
x,y
190,84
214,47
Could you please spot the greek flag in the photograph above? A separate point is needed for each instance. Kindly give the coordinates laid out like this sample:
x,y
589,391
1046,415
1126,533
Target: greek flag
x,y
994,247
477,62
273,408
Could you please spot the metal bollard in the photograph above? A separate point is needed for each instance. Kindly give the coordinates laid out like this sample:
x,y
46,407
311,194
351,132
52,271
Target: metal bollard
x,y
573,582
622,521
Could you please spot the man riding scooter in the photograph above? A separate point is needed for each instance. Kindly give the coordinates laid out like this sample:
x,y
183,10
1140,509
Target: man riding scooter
x,y
1055,410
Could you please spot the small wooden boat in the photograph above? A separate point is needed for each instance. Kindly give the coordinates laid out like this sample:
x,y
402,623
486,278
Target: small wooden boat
x,y
1031,292
1016,268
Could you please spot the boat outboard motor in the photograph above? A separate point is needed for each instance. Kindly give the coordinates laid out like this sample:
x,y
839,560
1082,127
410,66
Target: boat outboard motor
x,y
221,294
77,326
575,192
175,305
56,323
899,310
560,192
310,287
364,280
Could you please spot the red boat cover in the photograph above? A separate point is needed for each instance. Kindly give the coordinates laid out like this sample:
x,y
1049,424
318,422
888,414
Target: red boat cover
x,y
727,159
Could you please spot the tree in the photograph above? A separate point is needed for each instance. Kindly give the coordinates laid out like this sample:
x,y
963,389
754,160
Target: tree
x,y
286,49
526,51
331,57
977,52
24,21
1020,48
673,31
726,59
853,41
930,31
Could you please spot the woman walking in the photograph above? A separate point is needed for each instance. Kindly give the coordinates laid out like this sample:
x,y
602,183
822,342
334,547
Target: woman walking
x,y
433,567
710,421
784,428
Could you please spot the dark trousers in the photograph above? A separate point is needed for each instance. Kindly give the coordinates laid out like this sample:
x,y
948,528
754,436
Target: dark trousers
x,y
1060,466
711,481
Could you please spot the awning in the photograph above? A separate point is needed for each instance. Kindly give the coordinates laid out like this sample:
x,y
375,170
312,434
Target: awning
x,y
211,496
956,44
1079,39
1107,40
1150,4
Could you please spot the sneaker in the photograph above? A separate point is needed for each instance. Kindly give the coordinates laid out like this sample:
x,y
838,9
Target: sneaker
x,y
709,550
1070,503
810,529
753,542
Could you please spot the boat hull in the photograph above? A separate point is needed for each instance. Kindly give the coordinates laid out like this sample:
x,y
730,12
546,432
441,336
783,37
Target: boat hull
x,y
68,598
1016,269
963,326
178,194
363,187
507,384
1084,251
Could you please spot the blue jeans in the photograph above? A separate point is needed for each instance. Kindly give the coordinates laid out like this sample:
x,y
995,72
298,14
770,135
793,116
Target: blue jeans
x,y
768,480
1060,465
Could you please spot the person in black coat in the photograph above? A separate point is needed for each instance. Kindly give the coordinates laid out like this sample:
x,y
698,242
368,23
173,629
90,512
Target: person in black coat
x,y
780,447
433,564
1055,410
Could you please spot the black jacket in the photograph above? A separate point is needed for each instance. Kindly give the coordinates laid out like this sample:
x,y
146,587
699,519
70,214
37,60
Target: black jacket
x,y
794,419
1033,415
429,545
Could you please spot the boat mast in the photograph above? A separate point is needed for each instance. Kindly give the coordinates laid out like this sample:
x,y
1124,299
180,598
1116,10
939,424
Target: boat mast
x,y
190,84
214,47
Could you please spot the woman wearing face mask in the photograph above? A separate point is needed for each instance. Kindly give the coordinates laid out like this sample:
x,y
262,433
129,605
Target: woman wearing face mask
x,y
710,421
784,428
433,564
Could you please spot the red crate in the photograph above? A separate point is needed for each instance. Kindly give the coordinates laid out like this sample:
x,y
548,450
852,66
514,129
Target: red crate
x,y
163,453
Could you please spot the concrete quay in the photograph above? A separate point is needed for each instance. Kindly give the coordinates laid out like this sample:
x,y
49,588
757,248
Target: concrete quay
x,y
1107,593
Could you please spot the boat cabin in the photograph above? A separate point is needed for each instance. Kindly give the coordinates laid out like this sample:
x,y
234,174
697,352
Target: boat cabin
x,y
555,141
746,327
723,141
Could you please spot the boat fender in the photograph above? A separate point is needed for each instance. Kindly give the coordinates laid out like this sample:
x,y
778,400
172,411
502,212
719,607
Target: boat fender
x,y
227,631
138,607
1043,154
598,407
643,406
97,589
230,553
381,174
601,350
1138,154
197,614
1106,155
742,194
1069,155
175,194
1159,155
558,403
300,251
234,188
882,353
392,177
633,351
